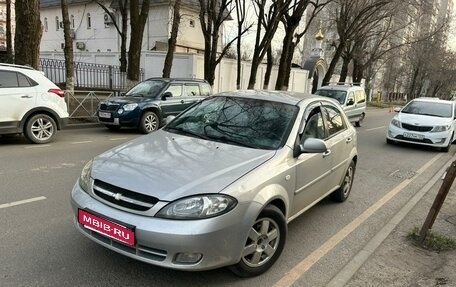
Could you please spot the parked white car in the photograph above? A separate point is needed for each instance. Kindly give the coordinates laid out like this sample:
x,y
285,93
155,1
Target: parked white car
x,y
424,121
30,104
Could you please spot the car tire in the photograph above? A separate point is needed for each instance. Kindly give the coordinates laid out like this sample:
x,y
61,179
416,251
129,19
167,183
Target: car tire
x,y
361,118
113,128
40,129
341,194
267,235
149,122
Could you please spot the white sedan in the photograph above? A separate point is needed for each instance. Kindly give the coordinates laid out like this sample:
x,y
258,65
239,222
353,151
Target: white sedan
x,y
424,121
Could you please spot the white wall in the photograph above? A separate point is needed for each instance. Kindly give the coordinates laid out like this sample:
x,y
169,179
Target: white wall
x,y
192,66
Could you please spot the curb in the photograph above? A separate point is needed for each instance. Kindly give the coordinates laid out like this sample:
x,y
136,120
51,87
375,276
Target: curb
x,y
349,270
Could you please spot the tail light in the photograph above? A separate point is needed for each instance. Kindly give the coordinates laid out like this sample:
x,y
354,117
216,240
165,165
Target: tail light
x,y
58,92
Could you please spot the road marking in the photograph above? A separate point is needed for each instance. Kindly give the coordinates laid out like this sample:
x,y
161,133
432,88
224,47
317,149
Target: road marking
x,y
37,146
373,129
294,274
82,142
117,139
5,205
393,173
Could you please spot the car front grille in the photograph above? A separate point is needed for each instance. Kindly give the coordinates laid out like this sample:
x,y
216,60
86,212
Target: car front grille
x,y
123,197
138,250
427,141
109,107
416,128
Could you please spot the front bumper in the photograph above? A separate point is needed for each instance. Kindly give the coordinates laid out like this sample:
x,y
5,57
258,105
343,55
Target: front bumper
x,y
434,139
159,241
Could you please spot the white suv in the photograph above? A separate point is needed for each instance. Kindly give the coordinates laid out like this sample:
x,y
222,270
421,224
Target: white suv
x,y
30,104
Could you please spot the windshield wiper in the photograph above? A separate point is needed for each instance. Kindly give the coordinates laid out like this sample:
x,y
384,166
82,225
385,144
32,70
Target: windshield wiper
x,y
439,116
187,132
224,139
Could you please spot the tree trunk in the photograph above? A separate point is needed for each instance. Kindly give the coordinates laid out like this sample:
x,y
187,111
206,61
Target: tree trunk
x,y
344,70
172,40
137,23
238,60
253,71
267,75
333,64
123,36
68,50
9,41
28,33
285,59
288,69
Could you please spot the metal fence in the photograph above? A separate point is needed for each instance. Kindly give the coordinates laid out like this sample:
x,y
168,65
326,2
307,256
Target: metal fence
x,y
87,75
83,104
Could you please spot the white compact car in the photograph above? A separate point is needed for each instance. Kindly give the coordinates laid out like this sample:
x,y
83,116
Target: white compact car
x,y
30,104
424,121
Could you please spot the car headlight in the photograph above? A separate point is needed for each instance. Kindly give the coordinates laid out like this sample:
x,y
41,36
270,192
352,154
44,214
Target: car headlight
x,y
129,107
440,128
198,207
396,123
84,179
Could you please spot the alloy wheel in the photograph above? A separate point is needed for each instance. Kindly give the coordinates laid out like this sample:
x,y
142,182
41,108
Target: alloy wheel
x,y
348,181
42,129
150,123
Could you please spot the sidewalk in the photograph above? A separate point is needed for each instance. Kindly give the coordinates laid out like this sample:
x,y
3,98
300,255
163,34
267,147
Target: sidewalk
x,y
398,262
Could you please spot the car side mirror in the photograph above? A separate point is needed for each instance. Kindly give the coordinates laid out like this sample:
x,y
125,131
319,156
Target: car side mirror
x,y
313,145
351,102
167,95
169,119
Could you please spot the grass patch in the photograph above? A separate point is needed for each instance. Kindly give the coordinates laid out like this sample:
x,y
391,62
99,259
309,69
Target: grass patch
x,y
434,240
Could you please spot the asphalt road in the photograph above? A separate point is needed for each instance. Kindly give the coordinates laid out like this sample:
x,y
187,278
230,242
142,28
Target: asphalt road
x,y
41,247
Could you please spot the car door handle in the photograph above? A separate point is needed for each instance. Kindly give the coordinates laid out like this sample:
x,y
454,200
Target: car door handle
x,y
327,153
26,97
349,140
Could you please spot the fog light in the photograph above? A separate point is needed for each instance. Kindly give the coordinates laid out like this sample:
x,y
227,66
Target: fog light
x,y
441,140
120,111
188,258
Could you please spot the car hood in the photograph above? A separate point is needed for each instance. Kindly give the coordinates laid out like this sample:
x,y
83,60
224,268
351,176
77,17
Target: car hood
x,y
422,120
170,166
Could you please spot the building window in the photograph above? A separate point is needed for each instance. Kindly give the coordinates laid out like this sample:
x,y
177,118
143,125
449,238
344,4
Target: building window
x,y
72,21
57,23
89,21
46,24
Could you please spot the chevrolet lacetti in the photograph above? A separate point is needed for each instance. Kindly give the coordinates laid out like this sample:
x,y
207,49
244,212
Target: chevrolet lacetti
x,y
218,184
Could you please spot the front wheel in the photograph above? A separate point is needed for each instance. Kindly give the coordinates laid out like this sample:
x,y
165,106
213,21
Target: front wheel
x,y
264,244
341,194
361,118
149,122
40,129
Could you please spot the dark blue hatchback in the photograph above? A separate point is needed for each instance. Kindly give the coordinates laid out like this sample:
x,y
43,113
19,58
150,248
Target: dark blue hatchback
x,y
146,105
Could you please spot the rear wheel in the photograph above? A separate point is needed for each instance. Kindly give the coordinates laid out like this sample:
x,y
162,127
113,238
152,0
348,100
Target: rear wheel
x,y
264,244
40,129
343,192
361,118
149,122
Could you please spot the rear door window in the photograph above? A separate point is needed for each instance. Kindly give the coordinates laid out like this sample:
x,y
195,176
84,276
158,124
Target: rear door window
x,y
192,90
8,79
23,80
175,90
206,89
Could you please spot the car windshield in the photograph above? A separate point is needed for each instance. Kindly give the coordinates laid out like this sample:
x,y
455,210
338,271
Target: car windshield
x,y
149,88
251,123
335,94
428,108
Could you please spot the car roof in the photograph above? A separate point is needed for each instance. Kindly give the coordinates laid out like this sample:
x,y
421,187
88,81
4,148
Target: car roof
x,y
177,80
429,99
292,98
340,87
16,66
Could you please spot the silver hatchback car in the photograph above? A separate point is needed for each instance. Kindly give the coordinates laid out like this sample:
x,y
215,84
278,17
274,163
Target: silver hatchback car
x,y
219,183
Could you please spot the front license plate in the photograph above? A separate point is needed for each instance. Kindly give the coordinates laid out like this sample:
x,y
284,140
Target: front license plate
x,y
108,228
104,115
413,136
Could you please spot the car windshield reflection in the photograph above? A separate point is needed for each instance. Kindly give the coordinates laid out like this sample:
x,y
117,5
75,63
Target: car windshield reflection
x,y
148,88
428,109
337,95
245,122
